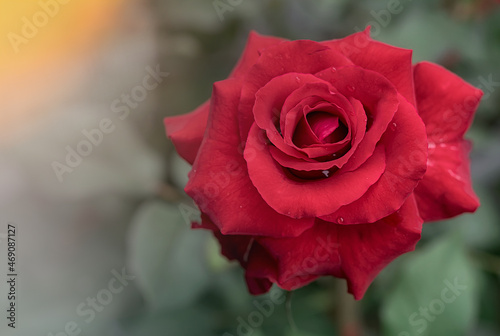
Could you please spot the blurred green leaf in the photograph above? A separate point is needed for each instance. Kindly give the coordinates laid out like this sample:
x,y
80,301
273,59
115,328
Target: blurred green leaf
x,y
180,169
481,229
192,321
167,256
436,294
439,35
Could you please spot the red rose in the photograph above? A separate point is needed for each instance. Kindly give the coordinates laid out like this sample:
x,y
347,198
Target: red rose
x,y
324,158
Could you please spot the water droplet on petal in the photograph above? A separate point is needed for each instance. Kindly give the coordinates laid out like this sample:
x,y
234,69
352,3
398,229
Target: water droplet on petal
x,y
350,88
393,126
326,173
431,145
334,69
334,155
297,79
455,176
332,93
340,220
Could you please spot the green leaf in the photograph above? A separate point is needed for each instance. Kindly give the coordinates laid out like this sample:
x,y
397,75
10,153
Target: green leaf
x,y
190,321
436,294
167,256
179,171
431,41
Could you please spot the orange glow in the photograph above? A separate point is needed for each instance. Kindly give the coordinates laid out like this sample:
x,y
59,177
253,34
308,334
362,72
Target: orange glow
x,y
41,40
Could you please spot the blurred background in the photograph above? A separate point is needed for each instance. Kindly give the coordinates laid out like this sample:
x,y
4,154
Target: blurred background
x,y
94,187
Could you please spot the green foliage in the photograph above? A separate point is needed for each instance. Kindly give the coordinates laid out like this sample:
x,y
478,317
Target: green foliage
x,y
436,294
167,256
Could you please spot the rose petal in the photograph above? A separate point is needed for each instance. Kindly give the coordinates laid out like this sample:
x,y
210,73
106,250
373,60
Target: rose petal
x,y
301,56
269,102
304,258
320,96
186,131
391,62
406,155
446,103
219,182
366,249
256,43
298,198
446,189
357,253
233,247
379,98
261,270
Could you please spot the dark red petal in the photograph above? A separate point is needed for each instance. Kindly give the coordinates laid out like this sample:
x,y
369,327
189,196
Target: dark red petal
x,y
324,125
319,96
446,103
366,249
255,44
261,271
301,259
312,130
357,252
393,63
357,126
233,247
406,155
446,189
298,198
219,181
298,164
301,56
186,131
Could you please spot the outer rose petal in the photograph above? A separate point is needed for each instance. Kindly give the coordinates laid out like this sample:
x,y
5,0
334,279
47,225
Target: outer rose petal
x,y
446,190
367,248
261,271
248,253
219,181
302,259
392,62
255,44
232,247
446,104
186,131
356,252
